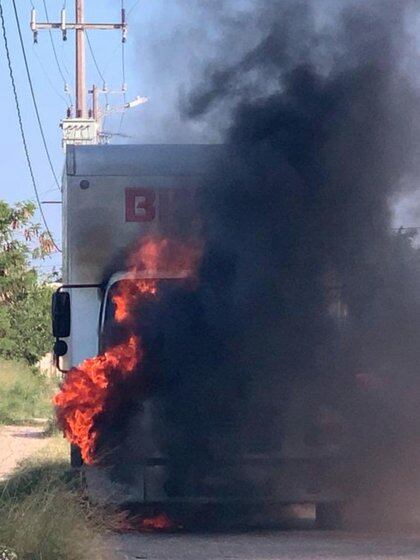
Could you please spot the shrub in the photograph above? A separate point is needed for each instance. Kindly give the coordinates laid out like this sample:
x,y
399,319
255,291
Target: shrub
x,y
24,394
45,515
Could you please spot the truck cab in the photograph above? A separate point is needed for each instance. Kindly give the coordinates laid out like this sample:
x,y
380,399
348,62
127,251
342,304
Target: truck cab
x,y
112,197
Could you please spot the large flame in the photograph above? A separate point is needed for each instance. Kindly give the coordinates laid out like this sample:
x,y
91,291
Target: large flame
x,y
85,391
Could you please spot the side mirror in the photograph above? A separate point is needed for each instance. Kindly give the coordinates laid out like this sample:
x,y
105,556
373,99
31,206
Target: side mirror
x,y
61,314
60,348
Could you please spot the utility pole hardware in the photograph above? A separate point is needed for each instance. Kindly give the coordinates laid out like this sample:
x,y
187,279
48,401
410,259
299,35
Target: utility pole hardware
x,y
83,127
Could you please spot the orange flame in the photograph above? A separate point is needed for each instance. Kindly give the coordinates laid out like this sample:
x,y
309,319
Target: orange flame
x,y
165,255
83,395
160,522
127,296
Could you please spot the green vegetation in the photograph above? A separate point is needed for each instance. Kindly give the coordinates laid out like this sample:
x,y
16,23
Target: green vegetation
x,y
24,297
44,513
25,394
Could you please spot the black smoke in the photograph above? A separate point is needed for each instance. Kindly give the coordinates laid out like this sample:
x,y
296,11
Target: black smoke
x,y
308,304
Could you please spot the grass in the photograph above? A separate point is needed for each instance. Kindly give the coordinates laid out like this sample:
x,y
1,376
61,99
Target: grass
x,y
24,394
44,513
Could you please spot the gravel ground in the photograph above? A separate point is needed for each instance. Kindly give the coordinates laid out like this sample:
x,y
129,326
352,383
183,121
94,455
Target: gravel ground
x,y
18,443
285,545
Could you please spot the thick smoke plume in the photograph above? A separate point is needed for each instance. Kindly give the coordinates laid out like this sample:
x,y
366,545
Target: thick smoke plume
x,y
307,300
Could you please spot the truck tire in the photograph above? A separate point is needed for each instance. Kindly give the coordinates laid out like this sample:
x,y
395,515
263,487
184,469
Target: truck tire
x,y
329,516
76,460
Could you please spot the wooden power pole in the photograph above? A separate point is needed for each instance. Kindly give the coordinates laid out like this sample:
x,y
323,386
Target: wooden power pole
x,y
83,127
80,61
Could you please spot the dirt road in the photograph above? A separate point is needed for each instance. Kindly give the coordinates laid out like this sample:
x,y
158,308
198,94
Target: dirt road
x,y
18,443
281,545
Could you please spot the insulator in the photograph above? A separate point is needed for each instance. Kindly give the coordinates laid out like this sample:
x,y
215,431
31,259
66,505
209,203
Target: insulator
x,y
33,19
63,19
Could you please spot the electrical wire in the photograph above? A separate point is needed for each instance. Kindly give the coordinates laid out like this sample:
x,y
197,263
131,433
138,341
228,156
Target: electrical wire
x,y
22,130
52,188
123,80
133,7
136,3
55,53
94,58
95,61
123,62
47,76
31,87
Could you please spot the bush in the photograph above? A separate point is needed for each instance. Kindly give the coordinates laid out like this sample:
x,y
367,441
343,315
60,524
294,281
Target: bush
x,y
24,295
29,335
45,515
25,394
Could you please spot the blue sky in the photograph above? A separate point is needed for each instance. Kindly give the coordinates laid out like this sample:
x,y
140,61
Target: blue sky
x,y
49,90
152,25
169,43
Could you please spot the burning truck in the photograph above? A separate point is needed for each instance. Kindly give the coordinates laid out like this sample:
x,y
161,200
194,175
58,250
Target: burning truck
x,y
149,410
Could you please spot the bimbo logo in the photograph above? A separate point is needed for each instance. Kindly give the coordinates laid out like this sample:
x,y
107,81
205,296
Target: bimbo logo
x,y
140,205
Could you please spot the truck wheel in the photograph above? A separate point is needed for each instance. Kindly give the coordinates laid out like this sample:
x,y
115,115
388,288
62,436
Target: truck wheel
x,y
76,460
329,516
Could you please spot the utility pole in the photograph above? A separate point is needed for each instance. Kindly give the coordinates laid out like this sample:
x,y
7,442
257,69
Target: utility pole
x,y
84,126
80,61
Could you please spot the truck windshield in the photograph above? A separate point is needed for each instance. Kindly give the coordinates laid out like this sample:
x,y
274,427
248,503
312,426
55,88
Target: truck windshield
x,y
135,298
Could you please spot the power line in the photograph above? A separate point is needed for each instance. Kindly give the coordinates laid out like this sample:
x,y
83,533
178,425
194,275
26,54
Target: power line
x,y
133,7
55,53
94,58
64,61
100,73
123,53
31,87
123,79
60,95
136,3
22,131
111,58
53,188
123,62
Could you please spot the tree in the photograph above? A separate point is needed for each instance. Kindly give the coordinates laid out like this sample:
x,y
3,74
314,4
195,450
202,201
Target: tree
x,y
24,296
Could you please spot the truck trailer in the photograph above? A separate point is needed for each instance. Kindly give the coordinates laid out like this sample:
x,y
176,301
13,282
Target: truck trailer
x,y
112,197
